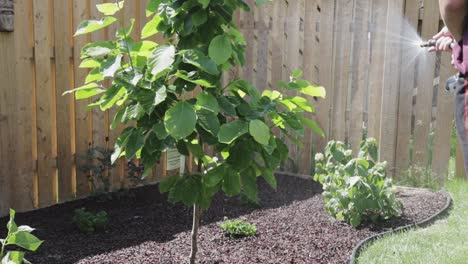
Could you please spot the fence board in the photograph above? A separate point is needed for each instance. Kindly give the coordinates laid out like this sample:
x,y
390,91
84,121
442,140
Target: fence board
x,y
341,66
62,83
444,123
389,110
423,107
45,95
407,83
83,118
379,23
22,183
358,75
7,76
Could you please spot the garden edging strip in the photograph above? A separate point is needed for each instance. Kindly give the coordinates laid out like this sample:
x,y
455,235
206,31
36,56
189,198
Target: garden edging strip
x,y
428,221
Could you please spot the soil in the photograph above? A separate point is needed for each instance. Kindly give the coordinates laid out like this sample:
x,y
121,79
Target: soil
x,y
144,228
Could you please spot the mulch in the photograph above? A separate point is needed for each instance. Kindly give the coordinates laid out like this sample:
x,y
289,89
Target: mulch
x,y
144,228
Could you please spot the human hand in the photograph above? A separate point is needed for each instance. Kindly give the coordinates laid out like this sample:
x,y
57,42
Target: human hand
x,y
444,40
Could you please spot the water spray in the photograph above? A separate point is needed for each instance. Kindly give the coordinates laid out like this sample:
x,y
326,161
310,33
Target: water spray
x,y
454,83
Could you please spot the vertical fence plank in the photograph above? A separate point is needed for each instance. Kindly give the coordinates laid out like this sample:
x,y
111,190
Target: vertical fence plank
x,y
460,171
44,100
22,178
405,104
358,74
324,60
310,68
444,123
7,114
262,31
65,104
378,25
423,107
341,68
83,118
389,108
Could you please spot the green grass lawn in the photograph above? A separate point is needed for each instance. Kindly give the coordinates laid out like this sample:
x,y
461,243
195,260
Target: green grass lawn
x,y
444,242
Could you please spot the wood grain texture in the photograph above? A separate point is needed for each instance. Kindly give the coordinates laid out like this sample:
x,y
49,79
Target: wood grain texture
x,y
423,107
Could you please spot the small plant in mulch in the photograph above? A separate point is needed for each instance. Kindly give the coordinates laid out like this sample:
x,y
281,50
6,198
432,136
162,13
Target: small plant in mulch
x,y
88,222
238,229
356,189
20,237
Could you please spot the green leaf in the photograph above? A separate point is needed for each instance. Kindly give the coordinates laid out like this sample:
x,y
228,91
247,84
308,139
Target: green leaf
x,y
136,141
302,103
167,184
149,99
231,182
259,131
207,101
199,60
220,49
209,121
214,176
151,28
109,9
89,26
161,59
231,131
227,107
312,125
313,90
120,144
204,3
152,7
25,240
190,77
186,190
240,156
269,177
86,91
111,65
249,183
13,257
200,18
160,131
296,74
11,225
180,120
98,50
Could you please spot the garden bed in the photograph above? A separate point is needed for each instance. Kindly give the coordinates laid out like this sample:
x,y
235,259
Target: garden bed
x,y
144,228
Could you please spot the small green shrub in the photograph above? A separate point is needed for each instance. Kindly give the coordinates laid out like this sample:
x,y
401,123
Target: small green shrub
x,y
88,222
356,189
19,236
238,228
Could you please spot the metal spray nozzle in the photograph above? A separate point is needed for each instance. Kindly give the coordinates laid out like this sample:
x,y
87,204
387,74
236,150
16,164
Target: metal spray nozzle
x,y
428,44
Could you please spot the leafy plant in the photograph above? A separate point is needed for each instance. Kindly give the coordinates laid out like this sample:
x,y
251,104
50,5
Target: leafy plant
x,y
355,189
19,236
238,228
88,222
148,84
98,166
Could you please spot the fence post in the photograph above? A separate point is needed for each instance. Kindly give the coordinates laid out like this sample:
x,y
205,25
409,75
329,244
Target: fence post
x,y
459,164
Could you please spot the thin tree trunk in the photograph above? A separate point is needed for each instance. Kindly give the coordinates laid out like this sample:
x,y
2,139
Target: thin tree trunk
x,y
195,225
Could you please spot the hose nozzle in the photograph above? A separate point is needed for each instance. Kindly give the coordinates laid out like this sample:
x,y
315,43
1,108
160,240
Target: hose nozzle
x,y
428,44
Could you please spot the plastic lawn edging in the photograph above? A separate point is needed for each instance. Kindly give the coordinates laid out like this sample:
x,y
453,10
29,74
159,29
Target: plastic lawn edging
x,y
424,223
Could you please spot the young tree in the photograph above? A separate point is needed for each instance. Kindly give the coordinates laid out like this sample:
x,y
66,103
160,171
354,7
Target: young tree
x,y
148,81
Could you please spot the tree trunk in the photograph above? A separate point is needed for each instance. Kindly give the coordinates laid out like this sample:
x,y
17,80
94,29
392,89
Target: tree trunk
x,y
195,225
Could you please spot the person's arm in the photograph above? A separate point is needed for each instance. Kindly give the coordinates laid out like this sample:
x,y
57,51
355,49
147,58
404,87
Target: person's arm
x,y
453,13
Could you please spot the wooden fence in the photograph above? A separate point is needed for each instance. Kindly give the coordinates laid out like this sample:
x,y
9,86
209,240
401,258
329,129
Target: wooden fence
x,y
340,44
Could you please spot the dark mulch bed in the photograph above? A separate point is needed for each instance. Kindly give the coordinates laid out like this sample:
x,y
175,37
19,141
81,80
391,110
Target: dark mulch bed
x,y
144,228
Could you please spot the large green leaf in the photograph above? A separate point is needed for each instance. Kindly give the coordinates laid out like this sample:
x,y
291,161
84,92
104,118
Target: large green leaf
x,y
231,131
111,65
204,3
151,28
208,121
249,184
98,49
86,91
25,240
199,60
109,9
120,144
220,49
207,101
187,190
214,176
161,59
180,120
136,141
259,131
313,90
89,26
152,7
231,182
